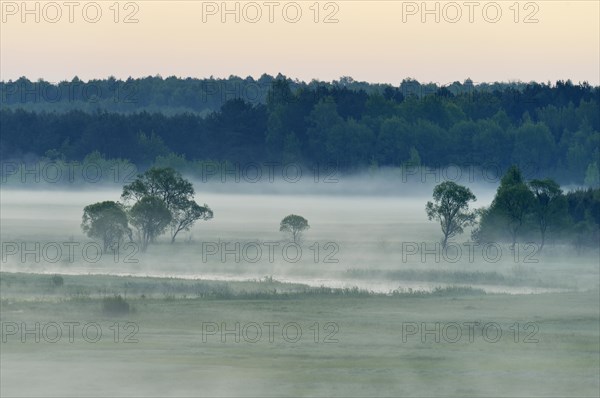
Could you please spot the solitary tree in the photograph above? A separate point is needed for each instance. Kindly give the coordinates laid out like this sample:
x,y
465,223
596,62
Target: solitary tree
x,y
450,207
151,217
186,214
106,221
549,205
294,225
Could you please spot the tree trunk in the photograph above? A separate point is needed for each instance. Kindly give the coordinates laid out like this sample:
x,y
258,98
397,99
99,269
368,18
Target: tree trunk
x,y
514,239
145,239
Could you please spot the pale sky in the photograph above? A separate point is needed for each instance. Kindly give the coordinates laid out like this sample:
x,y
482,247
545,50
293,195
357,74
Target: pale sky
x,y
375,41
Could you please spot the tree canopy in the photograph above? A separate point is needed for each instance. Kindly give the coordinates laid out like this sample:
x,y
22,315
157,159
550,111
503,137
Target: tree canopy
x,y
151,217
106,221
295,225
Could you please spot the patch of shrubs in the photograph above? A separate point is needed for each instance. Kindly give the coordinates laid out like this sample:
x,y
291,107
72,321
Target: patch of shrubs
x,y
115,305
57,281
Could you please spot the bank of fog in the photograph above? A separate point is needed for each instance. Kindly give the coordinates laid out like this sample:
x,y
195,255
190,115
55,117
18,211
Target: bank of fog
x,y
367,231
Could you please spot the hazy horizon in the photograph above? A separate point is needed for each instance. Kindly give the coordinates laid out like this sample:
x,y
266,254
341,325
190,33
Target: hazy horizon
x,y
539,41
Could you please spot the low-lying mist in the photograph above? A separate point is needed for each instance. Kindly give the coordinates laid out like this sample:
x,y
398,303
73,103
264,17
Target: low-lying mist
x,y
370,264
368,231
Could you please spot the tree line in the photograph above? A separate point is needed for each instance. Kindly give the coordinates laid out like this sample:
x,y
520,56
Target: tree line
x,y
555,128
173,95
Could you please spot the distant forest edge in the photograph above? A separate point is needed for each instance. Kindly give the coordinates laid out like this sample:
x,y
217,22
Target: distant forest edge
x,y
354,125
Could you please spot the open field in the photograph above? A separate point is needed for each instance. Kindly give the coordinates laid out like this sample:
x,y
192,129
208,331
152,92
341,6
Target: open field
x,y
382,320
366,345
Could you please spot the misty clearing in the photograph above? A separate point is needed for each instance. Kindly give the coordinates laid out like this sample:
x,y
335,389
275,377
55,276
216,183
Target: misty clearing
x,y
299,199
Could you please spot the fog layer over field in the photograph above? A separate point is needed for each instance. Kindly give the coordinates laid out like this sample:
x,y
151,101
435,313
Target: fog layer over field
x,y
369,231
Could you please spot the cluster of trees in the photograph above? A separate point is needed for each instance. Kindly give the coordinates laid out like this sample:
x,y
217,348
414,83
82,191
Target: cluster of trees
x,y
535,210
157,200
539,210
552,128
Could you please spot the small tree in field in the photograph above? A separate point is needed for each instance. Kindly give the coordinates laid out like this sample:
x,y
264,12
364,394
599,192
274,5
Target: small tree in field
x,y
106,221
451,209
294,225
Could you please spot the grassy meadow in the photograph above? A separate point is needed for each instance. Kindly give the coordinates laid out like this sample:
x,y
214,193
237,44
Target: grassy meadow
x,y
375,323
